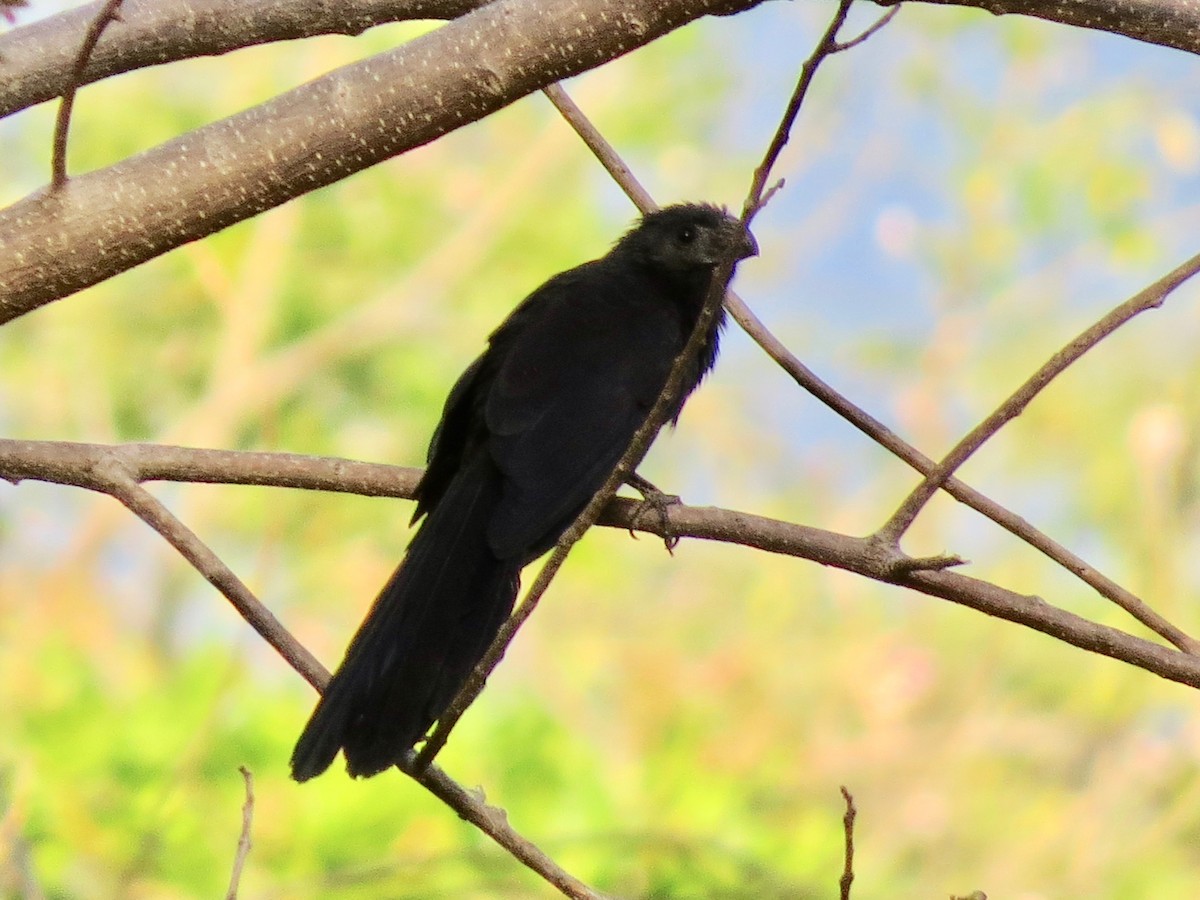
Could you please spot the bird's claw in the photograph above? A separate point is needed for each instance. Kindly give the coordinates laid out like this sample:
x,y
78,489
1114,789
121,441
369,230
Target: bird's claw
x,y
657,501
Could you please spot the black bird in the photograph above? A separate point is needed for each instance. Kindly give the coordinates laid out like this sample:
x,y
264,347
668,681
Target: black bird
x,y
529,433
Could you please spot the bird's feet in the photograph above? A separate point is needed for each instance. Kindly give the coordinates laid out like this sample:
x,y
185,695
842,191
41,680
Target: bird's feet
x,y
658,502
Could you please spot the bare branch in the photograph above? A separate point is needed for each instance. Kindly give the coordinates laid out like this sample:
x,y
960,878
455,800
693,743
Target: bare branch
x,y
62,124
243,844
493,821
1168,23
825,46
110,477
881,23
603,150
67,462
864,556
113,219
1151,297
36,59
77,465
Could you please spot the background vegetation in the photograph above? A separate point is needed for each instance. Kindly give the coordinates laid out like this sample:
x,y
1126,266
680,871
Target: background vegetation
x,y
964,193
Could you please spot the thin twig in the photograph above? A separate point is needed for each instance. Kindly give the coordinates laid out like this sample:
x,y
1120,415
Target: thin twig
x,y
847,878
1151,297
879,24
826,46
58,160
243,844
872,427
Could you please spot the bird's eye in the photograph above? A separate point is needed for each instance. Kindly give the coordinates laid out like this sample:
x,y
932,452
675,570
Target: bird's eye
x,y
687,234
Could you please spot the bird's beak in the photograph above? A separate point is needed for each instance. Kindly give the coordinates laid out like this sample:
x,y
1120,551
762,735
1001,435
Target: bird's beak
x,y
747,246
741,241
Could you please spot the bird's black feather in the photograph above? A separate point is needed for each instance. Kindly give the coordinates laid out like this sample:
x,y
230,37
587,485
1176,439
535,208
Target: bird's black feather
x,y
529,433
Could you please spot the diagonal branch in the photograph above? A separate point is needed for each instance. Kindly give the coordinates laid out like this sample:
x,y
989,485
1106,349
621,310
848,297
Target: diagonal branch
x,y
826,47
108,475
960,491
110,220
1151,297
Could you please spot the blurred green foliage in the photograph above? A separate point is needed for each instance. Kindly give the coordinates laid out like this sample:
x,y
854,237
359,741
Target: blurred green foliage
x,y
664,727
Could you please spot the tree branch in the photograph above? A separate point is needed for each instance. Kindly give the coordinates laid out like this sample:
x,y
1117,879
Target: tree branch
x,y
847,878
36,59
1150,297
110,220
72,464
1168,23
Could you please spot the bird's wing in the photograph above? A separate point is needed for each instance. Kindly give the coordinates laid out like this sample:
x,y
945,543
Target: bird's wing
x,y
575,378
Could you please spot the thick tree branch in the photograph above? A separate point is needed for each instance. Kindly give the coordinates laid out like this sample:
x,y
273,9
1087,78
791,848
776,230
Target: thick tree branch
x,y
1168,23
113,219
36,59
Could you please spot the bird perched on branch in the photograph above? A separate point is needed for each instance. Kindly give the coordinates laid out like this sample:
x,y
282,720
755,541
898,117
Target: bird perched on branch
x,y
531,430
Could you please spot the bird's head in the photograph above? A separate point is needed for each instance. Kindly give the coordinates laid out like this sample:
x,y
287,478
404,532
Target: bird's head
x,y
687,238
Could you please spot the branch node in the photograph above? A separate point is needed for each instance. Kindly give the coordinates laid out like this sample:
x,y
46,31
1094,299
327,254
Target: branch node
x,y
908,564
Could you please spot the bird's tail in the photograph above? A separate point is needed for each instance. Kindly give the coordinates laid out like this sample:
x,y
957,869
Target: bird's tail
x,y
429,626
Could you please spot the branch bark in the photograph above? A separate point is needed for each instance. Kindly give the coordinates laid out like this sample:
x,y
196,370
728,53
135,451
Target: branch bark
x,y
1168,23
36,59
110,220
